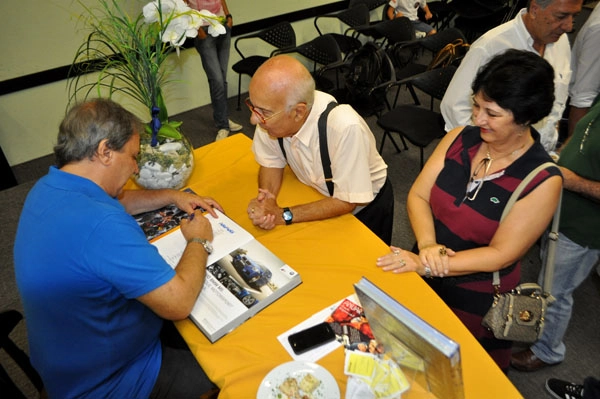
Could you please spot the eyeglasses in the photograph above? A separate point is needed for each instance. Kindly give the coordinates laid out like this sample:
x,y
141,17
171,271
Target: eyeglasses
x,y
485,163
258,112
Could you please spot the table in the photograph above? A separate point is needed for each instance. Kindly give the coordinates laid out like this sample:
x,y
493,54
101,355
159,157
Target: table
x,y
330,256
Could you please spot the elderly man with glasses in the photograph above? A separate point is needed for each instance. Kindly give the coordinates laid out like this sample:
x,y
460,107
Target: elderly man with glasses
x,y
349,172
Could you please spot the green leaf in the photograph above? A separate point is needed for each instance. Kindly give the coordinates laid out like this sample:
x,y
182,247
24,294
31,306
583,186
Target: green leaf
x,y
167,130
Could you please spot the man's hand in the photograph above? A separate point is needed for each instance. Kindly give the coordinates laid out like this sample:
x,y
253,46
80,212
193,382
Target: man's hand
x,y
196,227
264,211
189,202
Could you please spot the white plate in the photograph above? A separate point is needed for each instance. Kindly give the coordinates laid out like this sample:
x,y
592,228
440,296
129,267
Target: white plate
x,y
269,387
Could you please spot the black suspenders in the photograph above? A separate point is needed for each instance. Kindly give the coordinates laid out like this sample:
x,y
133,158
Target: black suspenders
x,y
323,144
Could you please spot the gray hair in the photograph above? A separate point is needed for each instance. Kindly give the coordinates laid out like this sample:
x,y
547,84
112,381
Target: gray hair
x,y
542,3
301,91
87,124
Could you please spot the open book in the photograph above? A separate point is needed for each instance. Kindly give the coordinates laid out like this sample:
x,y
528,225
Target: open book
x,y
243,276
411,342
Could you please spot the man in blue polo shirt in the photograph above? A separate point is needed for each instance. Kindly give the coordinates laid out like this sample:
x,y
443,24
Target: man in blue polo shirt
x,y
95,292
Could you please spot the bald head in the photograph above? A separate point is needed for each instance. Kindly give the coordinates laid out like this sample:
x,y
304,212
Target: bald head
x,y
286,78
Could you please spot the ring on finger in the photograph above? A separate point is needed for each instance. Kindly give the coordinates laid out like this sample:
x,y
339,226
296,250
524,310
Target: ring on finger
x,y
396,252
402,263
443,251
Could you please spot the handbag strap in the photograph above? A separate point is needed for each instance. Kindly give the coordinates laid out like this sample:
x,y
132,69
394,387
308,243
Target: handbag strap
x,y
553,235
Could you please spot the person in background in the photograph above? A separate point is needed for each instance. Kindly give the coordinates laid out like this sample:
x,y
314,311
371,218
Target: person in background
x,y
409,9
96,293
540,29
456,202
214,53
561,389
578,245
585,61
286,109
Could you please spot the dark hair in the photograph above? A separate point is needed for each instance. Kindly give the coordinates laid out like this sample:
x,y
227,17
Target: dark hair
x,y
87,124
519,81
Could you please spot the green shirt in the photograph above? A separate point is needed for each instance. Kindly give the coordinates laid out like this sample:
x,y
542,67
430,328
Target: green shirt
x,y
580,216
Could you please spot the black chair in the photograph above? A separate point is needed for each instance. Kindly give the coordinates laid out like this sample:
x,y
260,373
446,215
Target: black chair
x,y
369,30
414,123
476,17
281,36
326,56
355,17
8,321
397,30
403,54
442,12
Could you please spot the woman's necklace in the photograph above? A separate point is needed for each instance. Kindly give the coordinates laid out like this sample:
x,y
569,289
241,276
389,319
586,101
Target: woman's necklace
x,y
474,185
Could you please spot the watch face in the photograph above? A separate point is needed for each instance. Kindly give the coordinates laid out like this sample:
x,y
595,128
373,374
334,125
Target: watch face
x,y
287,216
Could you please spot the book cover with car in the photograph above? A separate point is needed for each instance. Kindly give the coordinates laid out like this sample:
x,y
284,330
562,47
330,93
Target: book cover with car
x,y
243,276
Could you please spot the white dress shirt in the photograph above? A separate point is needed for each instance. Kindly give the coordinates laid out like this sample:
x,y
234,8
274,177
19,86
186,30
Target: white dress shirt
x,y
585,60
456,105
358,170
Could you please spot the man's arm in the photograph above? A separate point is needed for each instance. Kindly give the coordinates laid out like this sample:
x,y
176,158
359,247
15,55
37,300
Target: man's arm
x,y
175,299
138,201
265,212
585,187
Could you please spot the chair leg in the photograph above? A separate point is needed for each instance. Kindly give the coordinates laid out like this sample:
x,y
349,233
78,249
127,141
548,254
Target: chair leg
x,y
21,358
387,134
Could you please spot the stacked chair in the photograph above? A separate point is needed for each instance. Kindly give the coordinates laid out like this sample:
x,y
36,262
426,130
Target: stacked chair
x,y
354,17
281,36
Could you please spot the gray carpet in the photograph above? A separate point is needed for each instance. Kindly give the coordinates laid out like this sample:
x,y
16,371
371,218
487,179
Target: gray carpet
x,y
582,340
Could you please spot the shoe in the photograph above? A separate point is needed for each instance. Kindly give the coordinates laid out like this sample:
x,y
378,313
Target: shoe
x,y
235,127
560,389
527,361
221,134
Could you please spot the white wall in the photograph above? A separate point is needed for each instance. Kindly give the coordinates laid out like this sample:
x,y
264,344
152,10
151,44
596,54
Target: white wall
x,y
39,35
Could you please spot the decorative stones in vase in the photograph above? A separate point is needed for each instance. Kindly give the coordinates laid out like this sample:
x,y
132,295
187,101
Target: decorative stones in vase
x,y
169,164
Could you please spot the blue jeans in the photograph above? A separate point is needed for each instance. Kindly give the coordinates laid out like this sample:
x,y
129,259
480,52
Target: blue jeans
x,y
214,53
572,265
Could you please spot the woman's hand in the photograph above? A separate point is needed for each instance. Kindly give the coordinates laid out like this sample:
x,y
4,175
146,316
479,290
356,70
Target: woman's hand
x,y
400,261
435,257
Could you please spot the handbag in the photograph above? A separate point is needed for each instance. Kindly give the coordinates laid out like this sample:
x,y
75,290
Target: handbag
x,y
518,315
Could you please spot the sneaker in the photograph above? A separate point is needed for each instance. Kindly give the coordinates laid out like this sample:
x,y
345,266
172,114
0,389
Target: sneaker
x,y
560,389
235,127
221,134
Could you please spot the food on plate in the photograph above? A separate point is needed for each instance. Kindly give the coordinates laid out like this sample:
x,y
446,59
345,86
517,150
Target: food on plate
x,y
309,383
299,390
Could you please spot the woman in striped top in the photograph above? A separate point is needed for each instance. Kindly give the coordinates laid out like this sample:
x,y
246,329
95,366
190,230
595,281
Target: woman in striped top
x,y
456,202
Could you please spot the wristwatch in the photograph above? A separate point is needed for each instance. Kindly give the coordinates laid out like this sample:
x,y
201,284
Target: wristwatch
x,y
287,215
205,243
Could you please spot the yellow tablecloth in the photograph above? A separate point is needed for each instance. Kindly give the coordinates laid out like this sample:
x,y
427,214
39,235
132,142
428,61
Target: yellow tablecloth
x,y
330,256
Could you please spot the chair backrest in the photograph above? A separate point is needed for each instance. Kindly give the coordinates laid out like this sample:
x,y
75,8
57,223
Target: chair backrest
x,y
323,50
372,4
396,30
434,82
357,15
281,36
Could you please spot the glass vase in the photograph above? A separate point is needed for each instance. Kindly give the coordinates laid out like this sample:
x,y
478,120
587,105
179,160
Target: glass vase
x,y
169,164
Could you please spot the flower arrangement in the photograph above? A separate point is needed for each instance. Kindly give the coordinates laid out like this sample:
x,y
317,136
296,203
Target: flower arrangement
x,y
128,54
129,57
